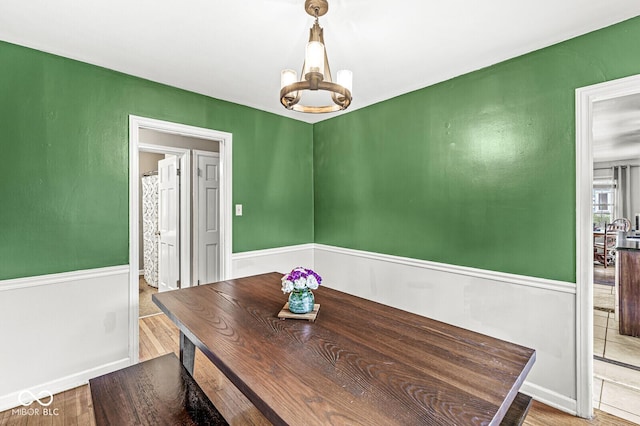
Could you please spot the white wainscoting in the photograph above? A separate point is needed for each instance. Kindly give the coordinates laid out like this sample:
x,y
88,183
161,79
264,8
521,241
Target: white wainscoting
x,y
533,312
282,259
60,330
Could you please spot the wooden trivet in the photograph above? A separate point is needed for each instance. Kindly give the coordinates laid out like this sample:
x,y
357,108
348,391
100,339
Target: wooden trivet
x,y
310,316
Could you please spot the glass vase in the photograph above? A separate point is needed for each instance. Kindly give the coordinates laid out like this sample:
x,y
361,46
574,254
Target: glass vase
x,y
301,301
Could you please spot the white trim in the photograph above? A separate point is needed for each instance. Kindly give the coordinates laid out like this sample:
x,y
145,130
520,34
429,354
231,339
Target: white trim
x,y
560,286
64,383
585,97
272,251
550,398
62,277
225,148
134,235
278,259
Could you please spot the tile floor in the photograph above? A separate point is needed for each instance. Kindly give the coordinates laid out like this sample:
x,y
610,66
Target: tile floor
x,y
608,343
616,389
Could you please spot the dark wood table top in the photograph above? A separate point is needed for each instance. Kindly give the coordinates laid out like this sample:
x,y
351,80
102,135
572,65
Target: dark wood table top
x,y
360,362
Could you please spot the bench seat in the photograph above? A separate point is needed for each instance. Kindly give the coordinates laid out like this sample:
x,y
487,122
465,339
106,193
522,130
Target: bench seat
x,y
159,391
517,411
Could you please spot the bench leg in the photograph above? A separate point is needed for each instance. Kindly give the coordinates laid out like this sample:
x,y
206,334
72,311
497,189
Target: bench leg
x,y
187,353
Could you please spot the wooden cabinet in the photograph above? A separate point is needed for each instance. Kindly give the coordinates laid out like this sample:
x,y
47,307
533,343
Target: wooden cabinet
x,y
629,291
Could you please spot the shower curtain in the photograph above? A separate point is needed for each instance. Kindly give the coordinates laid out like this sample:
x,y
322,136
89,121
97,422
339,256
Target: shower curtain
x,y
150,228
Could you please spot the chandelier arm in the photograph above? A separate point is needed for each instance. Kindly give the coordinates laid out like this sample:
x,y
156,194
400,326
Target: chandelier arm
x,y
316,109
340,100
335,88
340,95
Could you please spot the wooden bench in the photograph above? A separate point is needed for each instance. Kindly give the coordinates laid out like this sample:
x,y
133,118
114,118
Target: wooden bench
x,y
517,411
155,392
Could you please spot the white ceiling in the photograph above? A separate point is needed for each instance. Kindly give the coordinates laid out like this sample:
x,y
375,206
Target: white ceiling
x,y
234,50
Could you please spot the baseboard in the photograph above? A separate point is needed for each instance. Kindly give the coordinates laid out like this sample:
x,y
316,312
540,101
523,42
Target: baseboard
x,y
550,398
56,386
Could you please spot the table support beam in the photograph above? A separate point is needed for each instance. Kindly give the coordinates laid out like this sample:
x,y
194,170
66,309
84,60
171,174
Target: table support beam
x,y
187,352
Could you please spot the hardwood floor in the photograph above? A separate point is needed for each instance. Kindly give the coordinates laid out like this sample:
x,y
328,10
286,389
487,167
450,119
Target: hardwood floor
x,y
159,336
72,407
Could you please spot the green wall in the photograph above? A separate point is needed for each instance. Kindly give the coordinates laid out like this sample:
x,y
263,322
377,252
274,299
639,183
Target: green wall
x,y
476,171
64,180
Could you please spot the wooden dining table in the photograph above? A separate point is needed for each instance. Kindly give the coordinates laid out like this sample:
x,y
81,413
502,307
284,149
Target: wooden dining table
x,y
359,362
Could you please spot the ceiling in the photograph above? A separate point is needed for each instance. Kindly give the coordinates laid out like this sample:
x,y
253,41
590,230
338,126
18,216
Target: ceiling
x,y
234,50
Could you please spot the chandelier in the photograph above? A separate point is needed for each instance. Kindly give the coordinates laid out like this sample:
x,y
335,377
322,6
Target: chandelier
x,y
316,74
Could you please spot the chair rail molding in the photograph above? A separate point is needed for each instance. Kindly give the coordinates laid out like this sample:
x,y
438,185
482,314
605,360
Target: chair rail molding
x,y
279,259
523,280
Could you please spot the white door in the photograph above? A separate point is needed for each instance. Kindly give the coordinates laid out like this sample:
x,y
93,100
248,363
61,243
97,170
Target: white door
x,y
208,217
168,224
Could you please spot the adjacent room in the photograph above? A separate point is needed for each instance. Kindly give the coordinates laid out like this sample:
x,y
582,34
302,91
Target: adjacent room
x,y
320,212
616,231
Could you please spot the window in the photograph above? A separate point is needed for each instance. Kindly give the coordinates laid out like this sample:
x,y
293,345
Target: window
x,y
603,202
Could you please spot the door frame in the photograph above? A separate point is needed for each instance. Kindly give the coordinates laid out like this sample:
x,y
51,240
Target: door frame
x,y
225,141
585,98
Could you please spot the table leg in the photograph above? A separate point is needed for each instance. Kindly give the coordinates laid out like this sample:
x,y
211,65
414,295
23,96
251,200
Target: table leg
x,y
187,352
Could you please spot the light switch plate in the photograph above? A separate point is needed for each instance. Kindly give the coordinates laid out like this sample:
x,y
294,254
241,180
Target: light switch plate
x,y
238,209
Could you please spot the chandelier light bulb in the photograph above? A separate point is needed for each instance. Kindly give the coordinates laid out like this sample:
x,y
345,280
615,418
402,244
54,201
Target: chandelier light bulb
x,y
345,79
314,57
288,77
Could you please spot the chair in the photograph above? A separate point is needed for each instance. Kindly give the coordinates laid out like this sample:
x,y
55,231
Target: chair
x,y
605,251
619,225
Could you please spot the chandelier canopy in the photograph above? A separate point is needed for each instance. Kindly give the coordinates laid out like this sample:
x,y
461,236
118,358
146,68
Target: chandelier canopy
x,y
316,74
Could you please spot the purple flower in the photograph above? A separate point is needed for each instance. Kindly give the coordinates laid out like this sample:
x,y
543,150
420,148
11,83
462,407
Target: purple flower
x,y
300,278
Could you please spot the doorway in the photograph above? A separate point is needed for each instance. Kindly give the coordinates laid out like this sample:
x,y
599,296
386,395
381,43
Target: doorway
x,y
186,272
588,99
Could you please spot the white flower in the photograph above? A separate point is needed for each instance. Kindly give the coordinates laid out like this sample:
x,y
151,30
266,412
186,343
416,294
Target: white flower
x,y
300,283
312,283
300,279
287,286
